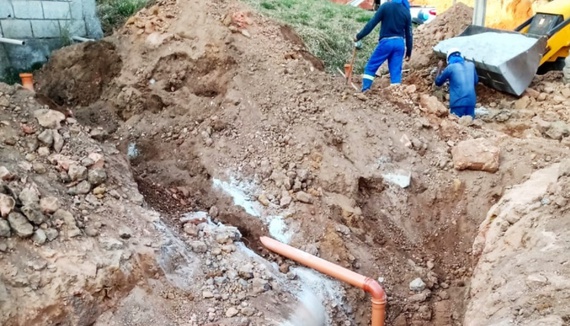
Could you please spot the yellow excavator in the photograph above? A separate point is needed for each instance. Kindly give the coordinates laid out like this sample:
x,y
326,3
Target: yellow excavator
x,y
509,60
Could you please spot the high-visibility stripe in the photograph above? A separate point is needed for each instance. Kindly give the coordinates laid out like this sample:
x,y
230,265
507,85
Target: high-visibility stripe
x,y
370,77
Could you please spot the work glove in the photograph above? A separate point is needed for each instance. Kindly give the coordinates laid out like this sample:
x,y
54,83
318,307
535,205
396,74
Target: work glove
x,y
358,45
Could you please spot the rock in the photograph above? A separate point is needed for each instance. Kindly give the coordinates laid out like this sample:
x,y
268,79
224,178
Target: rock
x,y
284,268
260,285
5,174
565,92
432,105
34,214
69,220
417,285
51,234
99,191
43,151
248,311
97,176
49,205
564,168
46,137
91,230
232,312
19,223
522,103
542,97
29,196
476,154
83,188
304,197
39,168
125,232
246,271
285,199
532,93
207,295
198,247
419,297
49,118
57,141
39,237
4,229
214,211
263,200
77,172
558,130
111,244
191,229
7,204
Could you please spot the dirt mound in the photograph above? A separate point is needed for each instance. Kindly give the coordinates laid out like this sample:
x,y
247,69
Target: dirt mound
x,y
77,75
448,24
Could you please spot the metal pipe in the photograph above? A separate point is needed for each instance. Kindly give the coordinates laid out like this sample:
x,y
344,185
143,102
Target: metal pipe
x,y
12,41
82,39
367,284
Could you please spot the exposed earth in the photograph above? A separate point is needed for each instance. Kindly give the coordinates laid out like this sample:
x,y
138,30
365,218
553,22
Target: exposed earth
x,y
136,192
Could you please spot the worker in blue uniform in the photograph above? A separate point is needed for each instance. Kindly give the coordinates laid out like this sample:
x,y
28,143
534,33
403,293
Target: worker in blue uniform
x,y
395,41
462,78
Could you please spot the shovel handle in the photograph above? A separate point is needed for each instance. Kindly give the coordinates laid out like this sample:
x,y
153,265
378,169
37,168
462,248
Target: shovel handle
x,y
349,75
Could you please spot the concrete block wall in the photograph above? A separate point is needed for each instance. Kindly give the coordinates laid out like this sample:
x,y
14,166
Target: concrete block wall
x,y
45,25
26,19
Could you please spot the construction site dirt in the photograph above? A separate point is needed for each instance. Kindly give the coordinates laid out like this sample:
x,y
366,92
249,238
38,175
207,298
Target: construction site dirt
x,y
188,144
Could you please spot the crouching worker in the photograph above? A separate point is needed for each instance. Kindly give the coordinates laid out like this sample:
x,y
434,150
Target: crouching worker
x,y
462,78
396,26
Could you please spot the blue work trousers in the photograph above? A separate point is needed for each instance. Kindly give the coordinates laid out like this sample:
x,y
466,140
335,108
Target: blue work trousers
x,y
391,49
463,110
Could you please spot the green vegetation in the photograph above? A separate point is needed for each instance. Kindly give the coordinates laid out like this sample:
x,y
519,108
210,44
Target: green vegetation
x,y
114,13
327,28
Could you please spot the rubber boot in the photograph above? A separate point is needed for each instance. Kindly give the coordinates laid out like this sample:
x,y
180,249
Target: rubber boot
x,y
366,84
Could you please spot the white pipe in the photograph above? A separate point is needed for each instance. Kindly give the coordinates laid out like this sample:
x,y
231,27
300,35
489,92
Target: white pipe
x,y
11,41
82,39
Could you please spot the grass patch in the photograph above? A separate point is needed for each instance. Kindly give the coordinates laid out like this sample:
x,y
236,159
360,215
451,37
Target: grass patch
x,y
114,13
326,28
12,75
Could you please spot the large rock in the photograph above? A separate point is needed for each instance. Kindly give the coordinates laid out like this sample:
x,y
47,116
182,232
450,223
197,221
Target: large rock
x,y
4,229
49,118
97,176
34,214
476,154
7,204
432,105
49,205
29,196
19,223
77,172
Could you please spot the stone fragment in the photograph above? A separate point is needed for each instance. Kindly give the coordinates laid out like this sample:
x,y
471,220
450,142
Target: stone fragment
x,y
51,234
19,223
5,174
29,196
57,141
304,197
417,285
69,220
198,247
125,232
46,137
263,200
232,312
49,205
49,118
4,229
476,154
34,214
432,105
7,204
77,172
83,188
557,130
97,176
39,237
246,271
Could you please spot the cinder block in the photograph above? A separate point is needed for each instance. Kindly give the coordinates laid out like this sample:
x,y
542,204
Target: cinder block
x,y
77,28
6,10
14,28
56,10
45,28
76,9
28,9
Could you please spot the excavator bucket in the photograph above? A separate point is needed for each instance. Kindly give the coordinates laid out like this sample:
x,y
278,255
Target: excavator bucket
x,y
505,60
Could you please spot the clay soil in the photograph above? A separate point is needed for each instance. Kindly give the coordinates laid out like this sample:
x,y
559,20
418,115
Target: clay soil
x,y
217,103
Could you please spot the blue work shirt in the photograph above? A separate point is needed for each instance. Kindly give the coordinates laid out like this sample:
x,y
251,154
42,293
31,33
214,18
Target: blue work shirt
x,y
396,22
462,78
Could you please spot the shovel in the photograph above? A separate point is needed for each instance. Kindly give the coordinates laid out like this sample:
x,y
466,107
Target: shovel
x,y
349,67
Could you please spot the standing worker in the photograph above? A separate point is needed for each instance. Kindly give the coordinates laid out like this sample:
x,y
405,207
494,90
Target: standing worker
x,y
462,78
396,25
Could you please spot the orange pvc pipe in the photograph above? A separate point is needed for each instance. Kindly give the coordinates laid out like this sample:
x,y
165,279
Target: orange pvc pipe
x,y
340,273
27,81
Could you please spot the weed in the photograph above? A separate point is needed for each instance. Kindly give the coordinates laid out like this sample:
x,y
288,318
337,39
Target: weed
x,y
326,28
114,13
12,75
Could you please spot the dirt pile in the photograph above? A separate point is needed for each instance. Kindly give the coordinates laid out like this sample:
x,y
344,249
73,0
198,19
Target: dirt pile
x,y
231,124
523,237
448,24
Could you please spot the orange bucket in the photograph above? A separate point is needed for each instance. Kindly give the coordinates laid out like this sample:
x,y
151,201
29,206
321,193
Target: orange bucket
x,y
27,81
